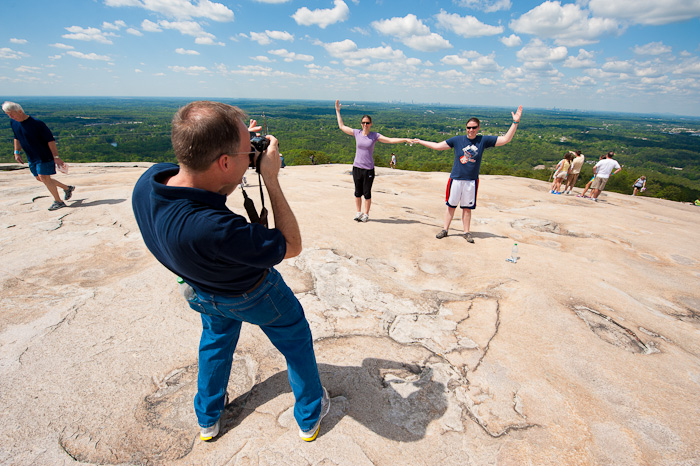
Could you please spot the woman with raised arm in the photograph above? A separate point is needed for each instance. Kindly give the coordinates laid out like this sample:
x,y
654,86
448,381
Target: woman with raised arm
x,y
363,166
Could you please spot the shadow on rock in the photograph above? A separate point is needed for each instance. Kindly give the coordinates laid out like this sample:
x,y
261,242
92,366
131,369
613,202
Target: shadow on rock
x,y
80,203
392,399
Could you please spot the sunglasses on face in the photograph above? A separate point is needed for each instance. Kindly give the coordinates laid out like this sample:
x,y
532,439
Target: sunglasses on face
x,y
366,122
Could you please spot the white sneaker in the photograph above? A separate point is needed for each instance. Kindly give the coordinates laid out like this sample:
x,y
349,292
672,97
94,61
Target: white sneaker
x,y
358,216
310,435
364,218
208,433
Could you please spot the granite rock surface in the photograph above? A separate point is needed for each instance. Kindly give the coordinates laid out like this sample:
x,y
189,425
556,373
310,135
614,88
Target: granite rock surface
x,y
585,351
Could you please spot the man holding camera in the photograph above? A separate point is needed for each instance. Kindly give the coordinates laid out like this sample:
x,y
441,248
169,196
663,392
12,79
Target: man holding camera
x,y
228,262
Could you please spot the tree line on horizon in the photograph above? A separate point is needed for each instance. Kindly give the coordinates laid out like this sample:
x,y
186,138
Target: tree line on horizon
x,y
665,150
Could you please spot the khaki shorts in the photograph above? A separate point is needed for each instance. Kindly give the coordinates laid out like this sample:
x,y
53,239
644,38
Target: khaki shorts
x,y
599,183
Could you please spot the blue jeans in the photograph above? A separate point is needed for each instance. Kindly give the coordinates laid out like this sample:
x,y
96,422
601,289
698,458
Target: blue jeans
x,y
274,308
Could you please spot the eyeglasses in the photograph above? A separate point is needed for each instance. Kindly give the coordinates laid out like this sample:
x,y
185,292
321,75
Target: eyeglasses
x,y
472,127
366,122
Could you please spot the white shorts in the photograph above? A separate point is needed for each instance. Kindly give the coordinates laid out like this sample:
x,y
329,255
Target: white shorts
x,y
461,193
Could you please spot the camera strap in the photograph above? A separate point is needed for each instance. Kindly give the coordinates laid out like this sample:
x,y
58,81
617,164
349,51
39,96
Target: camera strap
x,y
249,206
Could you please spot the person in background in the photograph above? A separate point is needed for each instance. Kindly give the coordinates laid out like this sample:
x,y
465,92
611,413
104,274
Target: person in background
x,y
603,170
463,184
37,141
575,171
590,182
363,165
640,185
561,173
226,263
392,164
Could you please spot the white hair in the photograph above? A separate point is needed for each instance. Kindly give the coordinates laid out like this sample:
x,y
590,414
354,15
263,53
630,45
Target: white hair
x,y
11,107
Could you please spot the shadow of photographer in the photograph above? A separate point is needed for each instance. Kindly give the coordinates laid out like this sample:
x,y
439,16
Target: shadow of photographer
x,y
392,399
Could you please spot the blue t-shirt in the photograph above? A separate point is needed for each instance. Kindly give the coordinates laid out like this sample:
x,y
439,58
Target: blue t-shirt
x,y
34,137
468,153
193,234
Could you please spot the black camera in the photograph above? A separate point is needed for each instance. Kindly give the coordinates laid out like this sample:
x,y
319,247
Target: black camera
x,y
258,145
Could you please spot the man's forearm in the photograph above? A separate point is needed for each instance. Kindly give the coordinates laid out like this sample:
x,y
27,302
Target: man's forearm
x,y
285,221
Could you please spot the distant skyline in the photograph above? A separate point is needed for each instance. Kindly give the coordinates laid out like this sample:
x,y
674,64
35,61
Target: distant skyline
x,y
636,56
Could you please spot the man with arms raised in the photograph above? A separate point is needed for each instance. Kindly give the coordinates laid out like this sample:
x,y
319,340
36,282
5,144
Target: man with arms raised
x,y
228,262
464,179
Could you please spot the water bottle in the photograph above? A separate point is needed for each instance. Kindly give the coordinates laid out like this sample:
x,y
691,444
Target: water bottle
x,y
185,290
513,254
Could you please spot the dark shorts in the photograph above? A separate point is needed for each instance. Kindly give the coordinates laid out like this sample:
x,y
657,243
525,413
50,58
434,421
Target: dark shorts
x,y
42,168
363,179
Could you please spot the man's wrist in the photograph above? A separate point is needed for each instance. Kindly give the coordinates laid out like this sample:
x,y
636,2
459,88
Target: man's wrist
x,y
17,152
515,122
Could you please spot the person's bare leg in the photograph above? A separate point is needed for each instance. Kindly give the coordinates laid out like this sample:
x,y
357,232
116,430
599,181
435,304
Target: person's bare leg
x,y
466,219
368,204
51,186
358,204
595,193
449,215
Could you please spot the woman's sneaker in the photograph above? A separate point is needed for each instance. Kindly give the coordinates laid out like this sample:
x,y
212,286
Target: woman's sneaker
x,y
364,218
68,192
310,435
358,216
442,234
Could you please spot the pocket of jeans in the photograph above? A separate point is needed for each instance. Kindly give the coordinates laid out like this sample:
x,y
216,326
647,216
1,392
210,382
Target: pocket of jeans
x,y
263,312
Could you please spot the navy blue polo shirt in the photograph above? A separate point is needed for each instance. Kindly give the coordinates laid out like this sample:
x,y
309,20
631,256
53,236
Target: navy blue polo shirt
x,y
34,137
192,233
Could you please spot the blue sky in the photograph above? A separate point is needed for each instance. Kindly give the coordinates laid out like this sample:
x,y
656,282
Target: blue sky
x,y
614,55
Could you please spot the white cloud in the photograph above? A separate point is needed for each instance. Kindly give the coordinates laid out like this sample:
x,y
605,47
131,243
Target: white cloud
x,y
351,55
473,61
191,28
489,6
260,37
537,55
280,35
88,56
28,69
264,38
59,45
652,48
192,70
180,9
618,66
567,24
430,43
134,32
150,26
322,17
466,26
6,53
87,34
272,2
412,32
652,12
182,51
511,41
290,56
262,59
115,26
584,59
689,67
18,41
